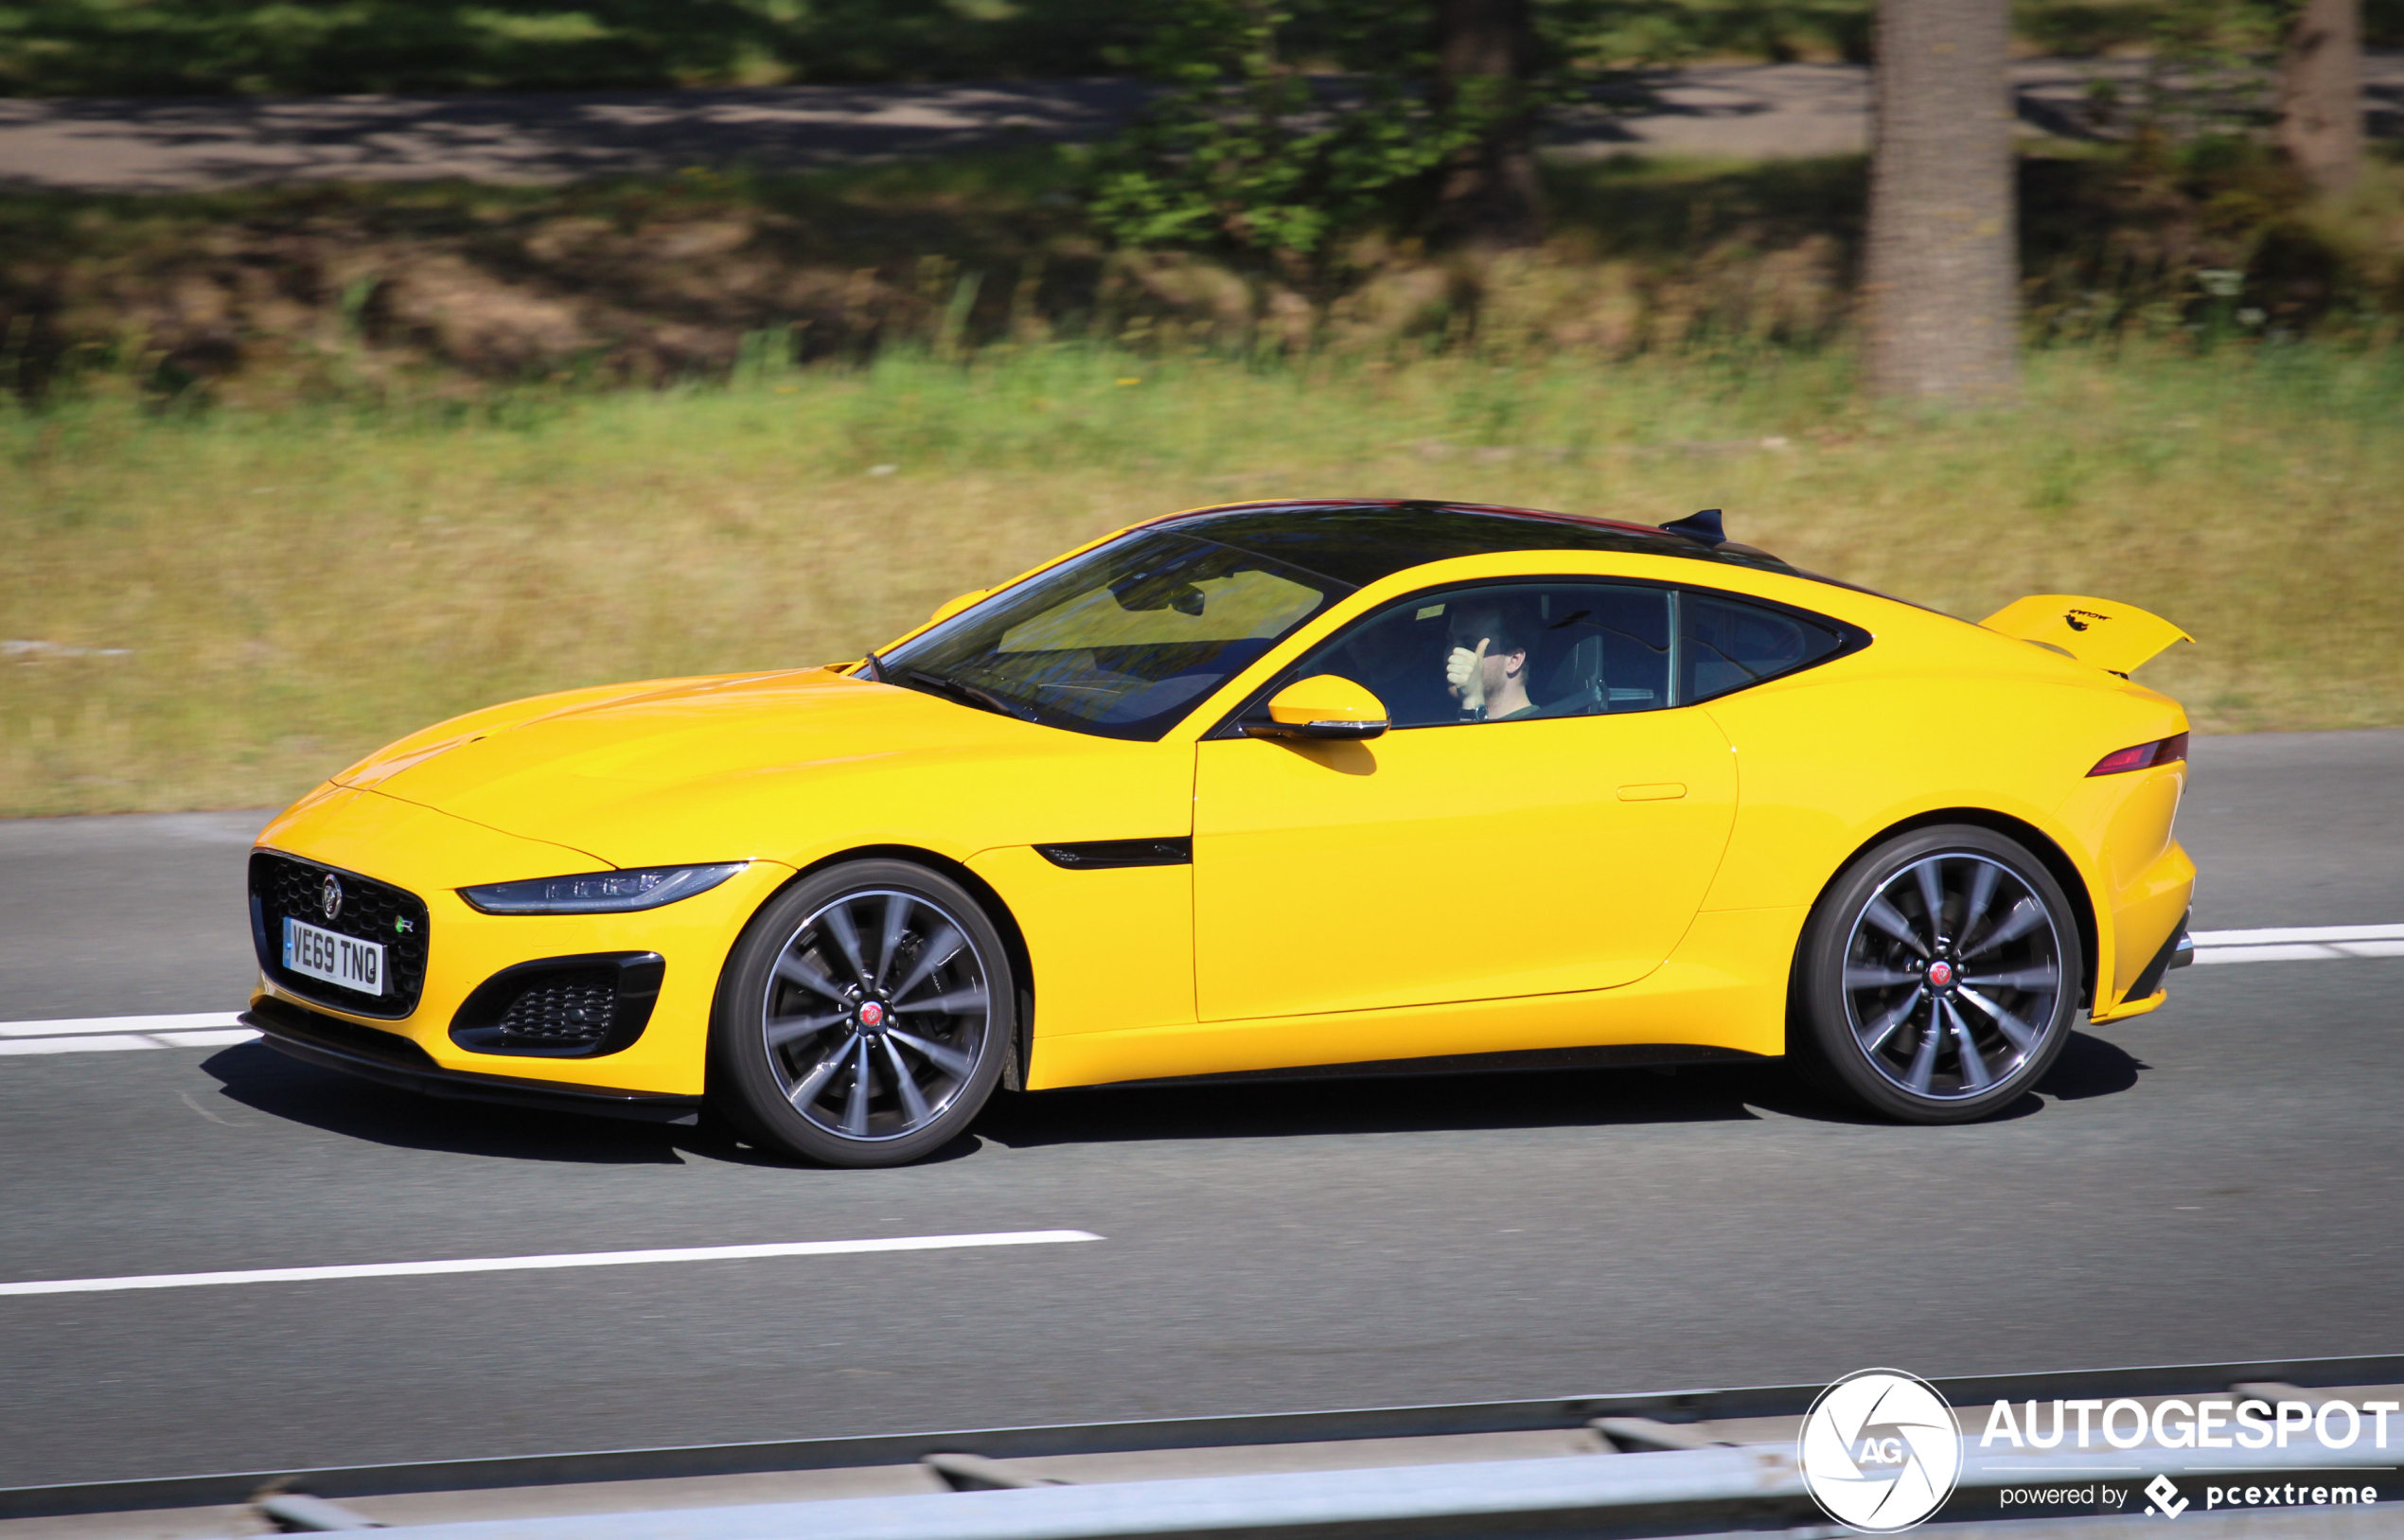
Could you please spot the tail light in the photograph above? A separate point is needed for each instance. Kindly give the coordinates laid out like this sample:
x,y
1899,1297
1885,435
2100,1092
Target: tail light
x,y
2170,750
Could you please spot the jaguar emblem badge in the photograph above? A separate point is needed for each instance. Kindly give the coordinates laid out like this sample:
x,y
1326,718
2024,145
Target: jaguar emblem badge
x,y
1940,974
329,898
872,1014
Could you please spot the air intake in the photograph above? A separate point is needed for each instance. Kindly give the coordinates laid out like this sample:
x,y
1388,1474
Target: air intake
x,y
562,1007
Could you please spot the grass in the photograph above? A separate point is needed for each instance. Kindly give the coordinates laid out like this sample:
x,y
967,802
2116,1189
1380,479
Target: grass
x,y
293,587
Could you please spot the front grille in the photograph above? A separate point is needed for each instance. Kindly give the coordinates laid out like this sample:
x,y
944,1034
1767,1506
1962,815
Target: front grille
x,y
568,1009
284,887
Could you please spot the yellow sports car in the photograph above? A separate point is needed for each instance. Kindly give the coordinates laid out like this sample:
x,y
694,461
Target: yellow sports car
x,y
1265,787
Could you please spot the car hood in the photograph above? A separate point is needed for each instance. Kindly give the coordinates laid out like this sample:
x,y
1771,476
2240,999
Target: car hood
x,y
722,768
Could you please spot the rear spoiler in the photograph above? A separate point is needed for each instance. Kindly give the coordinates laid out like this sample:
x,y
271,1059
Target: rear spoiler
x,y
2113,637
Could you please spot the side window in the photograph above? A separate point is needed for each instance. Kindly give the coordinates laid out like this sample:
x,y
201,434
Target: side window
x,y
1726,644
1509,651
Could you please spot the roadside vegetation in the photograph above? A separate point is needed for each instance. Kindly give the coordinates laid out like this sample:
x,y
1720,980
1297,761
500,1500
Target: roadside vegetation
x,y
285,474
374,291
225,605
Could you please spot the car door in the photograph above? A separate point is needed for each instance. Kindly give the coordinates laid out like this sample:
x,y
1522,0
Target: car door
x,y
1561,842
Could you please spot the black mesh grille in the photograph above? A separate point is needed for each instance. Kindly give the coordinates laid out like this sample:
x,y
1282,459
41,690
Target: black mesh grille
x,y
562,1007
568,1009
283,887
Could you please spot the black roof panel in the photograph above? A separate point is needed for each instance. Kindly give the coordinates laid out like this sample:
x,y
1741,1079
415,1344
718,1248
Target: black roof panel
x,y
1358,543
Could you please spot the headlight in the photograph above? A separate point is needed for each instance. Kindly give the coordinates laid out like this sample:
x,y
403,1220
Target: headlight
x,y
599,893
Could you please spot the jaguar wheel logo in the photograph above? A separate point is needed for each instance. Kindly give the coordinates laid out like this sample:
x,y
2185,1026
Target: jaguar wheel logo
x,y
1880,1451
329,897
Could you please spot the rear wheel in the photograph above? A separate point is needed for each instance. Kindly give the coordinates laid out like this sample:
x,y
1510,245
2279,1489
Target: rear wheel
x,y
865,1016
1939,976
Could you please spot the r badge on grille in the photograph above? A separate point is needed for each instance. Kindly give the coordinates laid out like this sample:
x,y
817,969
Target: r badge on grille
x,y
329,898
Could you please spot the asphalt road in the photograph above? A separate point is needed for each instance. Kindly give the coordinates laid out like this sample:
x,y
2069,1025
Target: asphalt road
x,y
1743,111
2219,1179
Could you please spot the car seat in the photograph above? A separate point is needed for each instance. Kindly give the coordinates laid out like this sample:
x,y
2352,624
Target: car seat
x,y
1577,686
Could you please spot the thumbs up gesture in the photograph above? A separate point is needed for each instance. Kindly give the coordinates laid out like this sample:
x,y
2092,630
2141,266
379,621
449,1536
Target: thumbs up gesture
x,y
1465,672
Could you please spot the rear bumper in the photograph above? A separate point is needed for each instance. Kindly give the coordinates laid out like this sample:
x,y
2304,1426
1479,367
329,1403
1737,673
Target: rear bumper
x,y
2147,993
2177,951
391,1059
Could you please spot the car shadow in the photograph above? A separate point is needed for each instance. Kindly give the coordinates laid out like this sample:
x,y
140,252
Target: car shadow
x,y
1388,1104
1232,1109
265,1081
2091,1067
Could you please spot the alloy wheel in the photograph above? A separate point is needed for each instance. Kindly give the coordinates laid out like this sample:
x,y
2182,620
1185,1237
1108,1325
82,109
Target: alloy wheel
x,y
877,1013
1952,974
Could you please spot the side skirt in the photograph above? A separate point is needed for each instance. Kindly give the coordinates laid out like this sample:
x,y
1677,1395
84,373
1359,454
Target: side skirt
x,y
1606,1056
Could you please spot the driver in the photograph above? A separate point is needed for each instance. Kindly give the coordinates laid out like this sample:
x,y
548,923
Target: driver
x,y
1487,669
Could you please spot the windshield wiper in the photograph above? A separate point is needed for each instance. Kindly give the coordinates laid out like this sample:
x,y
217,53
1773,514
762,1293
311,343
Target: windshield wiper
x,y
970,694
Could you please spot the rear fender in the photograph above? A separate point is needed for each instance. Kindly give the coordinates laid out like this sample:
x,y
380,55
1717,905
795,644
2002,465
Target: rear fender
x,y
2077,883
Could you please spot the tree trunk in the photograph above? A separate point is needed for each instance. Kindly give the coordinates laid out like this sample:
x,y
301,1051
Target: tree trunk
x,y
2321,92
1486,55
1941,290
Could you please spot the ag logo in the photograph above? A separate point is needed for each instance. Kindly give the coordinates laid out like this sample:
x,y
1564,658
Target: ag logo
x,y
1880,1451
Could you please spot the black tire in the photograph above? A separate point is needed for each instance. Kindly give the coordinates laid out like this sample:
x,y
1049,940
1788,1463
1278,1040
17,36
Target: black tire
x,y
865,1016
1938,1022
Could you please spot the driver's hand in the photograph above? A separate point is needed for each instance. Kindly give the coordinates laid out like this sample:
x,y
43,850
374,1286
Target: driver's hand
x,y
1465,672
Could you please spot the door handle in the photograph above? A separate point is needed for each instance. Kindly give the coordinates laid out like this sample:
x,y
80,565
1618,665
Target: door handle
x,y
1653,791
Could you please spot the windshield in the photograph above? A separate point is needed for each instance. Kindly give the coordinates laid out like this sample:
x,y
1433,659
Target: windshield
x,y
1122,641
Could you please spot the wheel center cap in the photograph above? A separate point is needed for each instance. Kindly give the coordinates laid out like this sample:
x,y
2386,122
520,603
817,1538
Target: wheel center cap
x,y
872,1014
1940,974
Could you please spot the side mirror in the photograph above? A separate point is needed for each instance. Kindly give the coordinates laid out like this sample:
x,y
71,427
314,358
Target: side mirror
x,y
955,605
1322,706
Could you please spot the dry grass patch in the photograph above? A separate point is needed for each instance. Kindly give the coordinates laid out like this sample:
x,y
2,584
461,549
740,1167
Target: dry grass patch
x,y
292,588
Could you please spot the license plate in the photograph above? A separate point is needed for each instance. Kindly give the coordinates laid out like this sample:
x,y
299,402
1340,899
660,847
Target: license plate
x,y
338,959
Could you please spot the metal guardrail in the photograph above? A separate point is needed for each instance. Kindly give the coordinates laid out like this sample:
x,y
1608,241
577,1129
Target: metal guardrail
x,y
1672,1407
1672,1493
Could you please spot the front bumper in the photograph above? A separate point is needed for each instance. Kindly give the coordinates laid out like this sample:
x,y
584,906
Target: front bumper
x,y
390,1059
427,856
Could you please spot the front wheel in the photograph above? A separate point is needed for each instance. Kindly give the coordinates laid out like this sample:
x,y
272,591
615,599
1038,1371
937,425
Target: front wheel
x,y
1939,976
864,1016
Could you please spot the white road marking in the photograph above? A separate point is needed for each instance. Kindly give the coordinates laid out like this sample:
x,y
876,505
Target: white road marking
x,y
215,1028
119,1023
210,1038
72,1045
571,1259
2299,943
118,1033
2315,932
